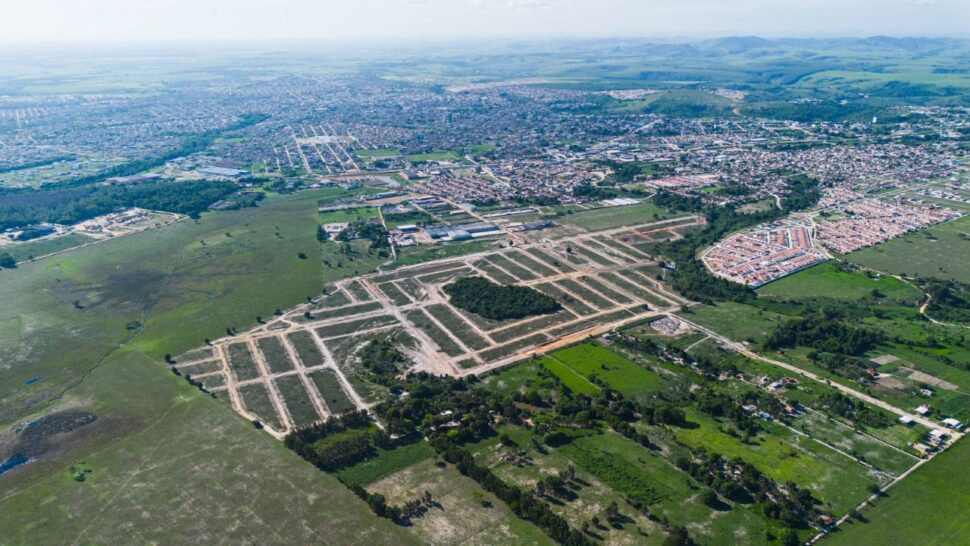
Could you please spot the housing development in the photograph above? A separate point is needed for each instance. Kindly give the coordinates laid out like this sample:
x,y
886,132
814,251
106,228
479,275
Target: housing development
x,y
617,291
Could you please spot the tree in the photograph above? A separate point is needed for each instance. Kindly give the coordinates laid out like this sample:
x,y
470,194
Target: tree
x,y
7,261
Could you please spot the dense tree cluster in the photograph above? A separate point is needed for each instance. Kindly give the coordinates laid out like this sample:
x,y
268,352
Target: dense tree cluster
x,y
828,329
73,205
493,301
339,442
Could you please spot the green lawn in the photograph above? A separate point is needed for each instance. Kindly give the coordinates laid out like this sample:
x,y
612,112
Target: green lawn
x,y
377,153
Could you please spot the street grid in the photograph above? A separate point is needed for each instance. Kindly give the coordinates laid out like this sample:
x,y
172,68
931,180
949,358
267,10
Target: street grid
x,y
601,279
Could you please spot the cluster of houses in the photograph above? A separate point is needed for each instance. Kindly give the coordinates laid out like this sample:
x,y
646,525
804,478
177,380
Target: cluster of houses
x,y
872,221
764,254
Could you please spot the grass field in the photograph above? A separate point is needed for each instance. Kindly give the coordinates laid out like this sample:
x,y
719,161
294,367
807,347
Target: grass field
x,y
926,509
35,249
241,362
297,400
348,215
387,462
630,469
305,348
735,320
609,217
943,255
274,354
462,518
257,401
433,156
160,450
825,281
783,456
616,370
377,153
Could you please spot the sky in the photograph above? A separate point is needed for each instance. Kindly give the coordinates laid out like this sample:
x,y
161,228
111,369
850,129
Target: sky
x,y
59,21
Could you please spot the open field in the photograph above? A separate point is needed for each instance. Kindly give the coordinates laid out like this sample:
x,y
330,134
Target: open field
x,y
35,249
460,517
144,295
825,281
387,462
938,251
617,371
927,508
611,217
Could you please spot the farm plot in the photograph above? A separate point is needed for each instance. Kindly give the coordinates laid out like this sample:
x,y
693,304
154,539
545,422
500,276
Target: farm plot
x,y
585,293
515,269
565,299
499,275
545,257
355,326
530,263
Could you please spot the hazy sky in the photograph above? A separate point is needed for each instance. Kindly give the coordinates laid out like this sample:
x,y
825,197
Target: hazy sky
x,y
180,20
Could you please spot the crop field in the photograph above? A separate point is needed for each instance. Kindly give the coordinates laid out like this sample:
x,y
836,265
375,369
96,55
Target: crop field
x,y
312,341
